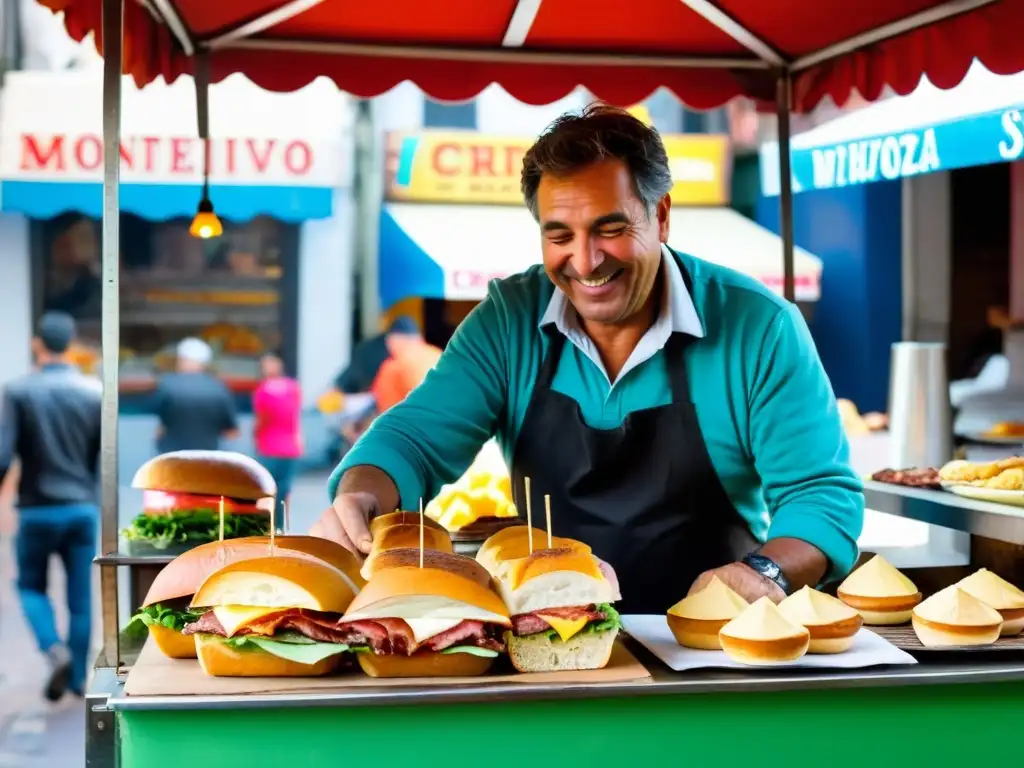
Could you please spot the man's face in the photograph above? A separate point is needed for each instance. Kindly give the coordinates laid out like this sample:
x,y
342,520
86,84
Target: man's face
x,y
600,246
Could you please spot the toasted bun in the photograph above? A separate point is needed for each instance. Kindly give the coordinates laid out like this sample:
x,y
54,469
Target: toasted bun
x,y
765,653
424,664
701,634
281,581
553,578
882,611
515,544
209,473
405,536
182,576
173,645
762,635
454,577
993,590
936,635
381,522
1013,622
218,659
832,624
538,653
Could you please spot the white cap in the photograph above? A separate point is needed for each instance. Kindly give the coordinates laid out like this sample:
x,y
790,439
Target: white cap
x,y
195,350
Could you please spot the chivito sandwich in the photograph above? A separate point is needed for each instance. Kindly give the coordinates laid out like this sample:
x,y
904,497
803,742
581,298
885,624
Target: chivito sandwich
x,y
443,619
880,593
166,607
513,543
562,617
272,617
381,522
696,619
182,493
999,594
952,617
762,636
832,624
405,536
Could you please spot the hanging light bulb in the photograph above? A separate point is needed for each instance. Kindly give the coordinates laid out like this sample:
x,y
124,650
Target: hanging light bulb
x,y
206,224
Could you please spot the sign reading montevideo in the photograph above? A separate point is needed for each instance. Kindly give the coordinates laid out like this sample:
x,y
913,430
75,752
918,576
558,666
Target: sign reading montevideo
x,y
990,137
472,168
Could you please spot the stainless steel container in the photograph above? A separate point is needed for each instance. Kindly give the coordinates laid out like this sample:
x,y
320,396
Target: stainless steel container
x,y
920,429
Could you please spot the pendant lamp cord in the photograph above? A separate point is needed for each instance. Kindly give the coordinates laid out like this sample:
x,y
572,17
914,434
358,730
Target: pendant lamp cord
x,y
202,80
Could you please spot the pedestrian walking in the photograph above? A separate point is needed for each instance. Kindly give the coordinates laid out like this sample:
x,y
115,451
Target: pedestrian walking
x,y
277,408
50,422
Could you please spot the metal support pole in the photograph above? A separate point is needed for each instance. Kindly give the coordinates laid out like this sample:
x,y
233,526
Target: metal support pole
x,y
784,101
113,17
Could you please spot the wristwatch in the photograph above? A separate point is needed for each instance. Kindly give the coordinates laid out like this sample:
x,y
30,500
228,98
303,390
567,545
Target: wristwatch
x,y
769,569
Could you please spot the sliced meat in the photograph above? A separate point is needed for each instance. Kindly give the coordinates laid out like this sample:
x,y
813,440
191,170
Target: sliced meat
x,y
400,636
472,633
207,624
324,628
531,623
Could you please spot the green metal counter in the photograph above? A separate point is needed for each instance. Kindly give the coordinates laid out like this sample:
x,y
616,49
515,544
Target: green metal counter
x,y
924,715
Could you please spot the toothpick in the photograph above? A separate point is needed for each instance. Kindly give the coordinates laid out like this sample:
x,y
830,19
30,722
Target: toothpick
x,y
547,513
286,523
273,525
221,519
421,531
529,513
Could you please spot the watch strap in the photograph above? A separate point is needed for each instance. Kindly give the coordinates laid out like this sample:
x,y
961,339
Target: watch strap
x,y
769,569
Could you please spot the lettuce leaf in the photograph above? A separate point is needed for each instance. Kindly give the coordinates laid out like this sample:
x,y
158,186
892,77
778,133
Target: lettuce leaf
x,y
612,620
485,653
160,615
289,646
161,531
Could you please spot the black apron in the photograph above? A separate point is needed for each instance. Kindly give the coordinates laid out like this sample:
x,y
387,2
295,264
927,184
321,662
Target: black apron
x,y
644,495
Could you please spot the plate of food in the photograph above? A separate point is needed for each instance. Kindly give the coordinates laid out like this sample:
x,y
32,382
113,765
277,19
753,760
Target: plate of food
x,y
1001,482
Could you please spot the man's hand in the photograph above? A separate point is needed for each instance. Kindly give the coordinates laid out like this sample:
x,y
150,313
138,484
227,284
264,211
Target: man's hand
x,y
742,579
347,522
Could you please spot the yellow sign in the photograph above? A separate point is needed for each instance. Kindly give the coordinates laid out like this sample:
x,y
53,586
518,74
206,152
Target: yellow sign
x,y
468,167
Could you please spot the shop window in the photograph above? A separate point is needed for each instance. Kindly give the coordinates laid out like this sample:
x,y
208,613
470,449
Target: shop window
x,y
236,291
438,115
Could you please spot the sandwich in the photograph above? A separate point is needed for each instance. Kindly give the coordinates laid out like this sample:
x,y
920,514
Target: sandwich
x,y
514,542
166,611
763,636
404,536
696,620
381,522
272,617
953,617
880,593
182,493
441,620
832,624
999,594
561,607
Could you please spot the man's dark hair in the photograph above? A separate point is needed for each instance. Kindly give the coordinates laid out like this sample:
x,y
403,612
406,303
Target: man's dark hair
x,y
599,132
56,331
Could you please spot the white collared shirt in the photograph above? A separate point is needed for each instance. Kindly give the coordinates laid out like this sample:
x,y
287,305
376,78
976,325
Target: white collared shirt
x,y
677,315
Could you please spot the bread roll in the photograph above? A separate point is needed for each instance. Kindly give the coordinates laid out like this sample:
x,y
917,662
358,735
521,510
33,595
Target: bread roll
x,y
218,659
999,594
762,636
696,620
832,624
539,653
880,593
425,664
952,617
207,473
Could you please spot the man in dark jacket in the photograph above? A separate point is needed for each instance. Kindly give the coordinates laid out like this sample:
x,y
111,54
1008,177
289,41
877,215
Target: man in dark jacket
x,y
50,420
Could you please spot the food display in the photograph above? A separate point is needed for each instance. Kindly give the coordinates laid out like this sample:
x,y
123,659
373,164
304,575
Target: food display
x,y
183,492
405,535
762,636
913,477
1004,475
441,620
381,522
484,491
696,620
1006,430
953,617
165,610
273,616
832,624
561,606
514,543
880,593
999,594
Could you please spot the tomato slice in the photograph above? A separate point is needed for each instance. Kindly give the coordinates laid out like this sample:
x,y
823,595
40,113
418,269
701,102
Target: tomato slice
x,y
168,503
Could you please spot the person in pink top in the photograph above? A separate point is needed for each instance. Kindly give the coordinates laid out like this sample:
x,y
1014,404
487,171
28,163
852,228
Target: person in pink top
x,y
277,407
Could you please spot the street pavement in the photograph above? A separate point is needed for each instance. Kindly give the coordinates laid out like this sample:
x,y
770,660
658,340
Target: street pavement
x,y
33,732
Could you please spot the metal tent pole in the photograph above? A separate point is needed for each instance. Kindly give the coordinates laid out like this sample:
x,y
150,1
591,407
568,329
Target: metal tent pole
x,y
784,101
113,17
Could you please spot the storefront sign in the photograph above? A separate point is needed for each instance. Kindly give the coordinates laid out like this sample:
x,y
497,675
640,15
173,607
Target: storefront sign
x,y
991,137
464,167
63,157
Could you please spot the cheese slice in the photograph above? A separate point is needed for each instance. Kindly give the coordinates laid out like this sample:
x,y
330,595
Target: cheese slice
x,y
877,578
234,617
812,608
993,590
954,607
763,621
716,602
425,628
565,628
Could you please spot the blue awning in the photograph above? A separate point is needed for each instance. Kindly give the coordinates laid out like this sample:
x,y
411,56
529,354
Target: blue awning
x,y
159,202
977,123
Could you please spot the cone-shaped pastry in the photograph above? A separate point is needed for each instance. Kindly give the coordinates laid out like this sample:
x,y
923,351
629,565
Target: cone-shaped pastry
x,y
696,620
880,593
953,617
832,623
1001,595
762,636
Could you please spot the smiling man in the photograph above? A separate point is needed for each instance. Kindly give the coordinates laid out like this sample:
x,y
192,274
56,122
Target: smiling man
x,y
675,411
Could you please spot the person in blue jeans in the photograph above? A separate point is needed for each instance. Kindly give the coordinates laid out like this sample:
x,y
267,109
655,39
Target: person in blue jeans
x,y
50,420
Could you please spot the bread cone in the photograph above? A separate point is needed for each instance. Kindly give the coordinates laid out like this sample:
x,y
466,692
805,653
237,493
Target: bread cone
x,y
696,620
999,594
762,636
953,617
831,624
880,593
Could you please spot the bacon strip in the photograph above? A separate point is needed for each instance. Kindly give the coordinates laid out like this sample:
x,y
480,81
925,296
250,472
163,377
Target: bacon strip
x,y
532,624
